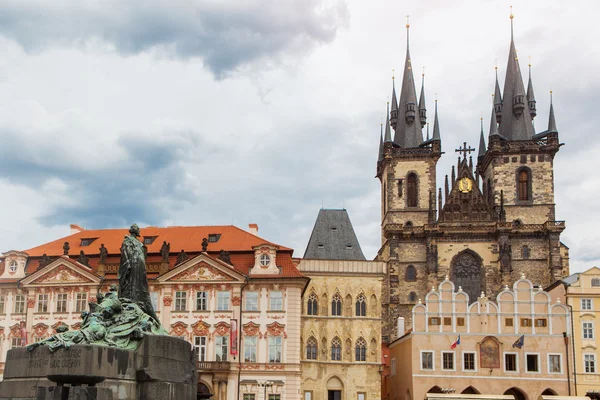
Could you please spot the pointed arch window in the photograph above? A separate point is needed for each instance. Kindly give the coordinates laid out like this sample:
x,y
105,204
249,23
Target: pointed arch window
x,y
311,349
336,305
313,304
410,275
361,306
524,184
336,349
411,190
361,350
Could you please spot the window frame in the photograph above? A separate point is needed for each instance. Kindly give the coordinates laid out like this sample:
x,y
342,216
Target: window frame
x,y
432,359
360,353
312,305
223,295
595,282
474,354
2,304
560,367
46,302
526,322
201,298
251,295
12,264
509,322
593,361
16,342
512,353
412,276
453,354
539,365
273,304
312,349
527,198
199,347
590,303
360,306
61,299
336,310
338,349
252,348
275,358
591,328
19,300
412,193
264,260
180,301
81,302
224,339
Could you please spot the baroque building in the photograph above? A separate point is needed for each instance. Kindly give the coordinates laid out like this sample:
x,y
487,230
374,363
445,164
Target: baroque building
x,y
341,314
495,217
234,295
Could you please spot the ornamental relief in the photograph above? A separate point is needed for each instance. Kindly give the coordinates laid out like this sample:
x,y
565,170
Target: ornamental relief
x,y
178,329
61,274
201,272
200,328
58,325
167,300
40,330
15,331
276,329
251,329
221,329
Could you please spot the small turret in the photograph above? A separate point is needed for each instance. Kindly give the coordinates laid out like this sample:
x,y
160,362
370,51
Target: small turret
x,y
531,96
436,124
422,107
388,133
380,145
394,112
551,120
482,148
497,100
494,124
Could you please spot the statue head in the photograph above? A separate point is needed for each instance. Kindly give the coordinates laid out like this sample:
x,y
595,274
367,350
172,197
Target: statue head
x,y
135,230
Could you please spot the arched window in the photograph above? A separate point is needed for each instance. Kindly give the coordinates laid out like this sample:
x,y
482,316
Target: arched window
x,y
13,266
595,282
411,190
412,297
361,306
336,305
311,349
336,349
361,350
313,304
525,252
524,184
410,275
408,224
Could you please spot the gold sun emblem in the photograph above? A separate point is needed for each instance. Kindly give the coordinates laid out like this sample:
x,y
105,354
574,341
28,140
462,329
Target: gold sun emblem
x,y
465,185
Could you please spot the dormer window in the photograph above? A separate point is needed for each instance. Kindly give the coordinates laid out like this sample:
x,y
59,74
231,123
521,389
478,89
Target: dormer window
x,y
12,268
149,239
348,247
334,229
265,260
213,237
321,246
86,242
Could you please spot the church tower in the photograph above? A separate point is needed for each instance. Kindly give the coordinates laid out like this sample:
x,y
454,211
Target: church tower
x,y
406,168
490,224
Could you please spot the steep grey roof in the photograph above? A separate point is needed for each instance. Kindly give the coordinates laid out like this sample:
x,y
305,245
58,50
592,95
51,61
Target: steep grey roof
x,y
551,120
530,94
436,124
380,157
571,279
493,124
394,100
333,238
482,148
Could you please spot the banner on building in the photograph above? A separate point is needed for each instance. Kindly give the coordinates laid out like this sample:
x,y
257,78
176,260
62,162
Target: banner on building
x,y
233,334
23,329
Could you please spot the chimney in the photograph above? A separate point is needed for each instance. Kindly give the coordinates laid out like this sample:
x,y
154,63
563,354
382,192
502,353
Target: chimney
x,y
253,229
400,325
76,229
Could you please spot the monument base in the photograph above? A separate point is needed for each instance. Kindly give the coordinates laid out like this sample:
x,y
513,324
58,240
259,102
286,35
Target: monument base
x,y
162,367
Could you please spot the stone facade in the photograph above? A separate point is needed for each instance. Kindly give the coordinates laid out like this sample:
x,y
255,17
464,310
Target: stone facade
x,y
357,330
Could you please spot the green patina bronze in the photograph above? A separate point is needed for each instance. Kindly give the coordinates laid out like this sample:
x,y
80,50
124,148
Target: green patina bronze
x,y
118,319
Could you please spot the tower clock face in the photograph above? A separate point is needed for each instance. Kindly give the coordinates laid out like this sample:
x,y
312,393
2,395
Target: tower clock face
x,y
465,185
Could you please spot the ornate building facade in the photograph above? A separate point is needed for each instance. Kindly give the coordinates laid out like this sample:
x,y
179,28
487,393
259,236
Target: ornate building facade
x,y
235,296
513,345
490,223
341,314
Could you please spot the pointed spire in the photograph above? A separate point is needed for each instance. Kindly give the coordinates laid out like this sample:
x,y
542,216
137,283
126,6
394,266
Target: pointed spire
x,y
493,124
422,107
380,145
427,132
388,133
394,114
515,124
482,148
436,124
530,95
471,163
446,188
551,120
454,173
497,99
439,200
408,133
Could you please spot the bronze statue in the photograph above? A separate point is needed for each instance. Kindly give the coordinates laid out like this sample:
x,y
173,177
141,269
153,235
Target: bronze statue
x,y
103,254
204,244
83,259
66,248
165,249
133,283
181,257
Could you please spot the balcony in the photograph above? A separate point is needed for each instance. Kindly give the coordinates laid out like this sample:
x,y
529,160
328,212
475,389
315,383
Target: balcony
x,y
213,366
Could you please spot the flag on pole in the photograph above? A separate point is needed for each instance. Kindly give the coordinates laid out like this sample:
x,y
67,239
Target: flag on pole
x,y
519,342
456,343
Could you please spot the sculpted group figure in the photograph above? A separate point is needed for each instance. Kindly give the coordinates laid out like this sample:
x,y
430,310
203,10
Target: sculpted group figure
x,y
119,318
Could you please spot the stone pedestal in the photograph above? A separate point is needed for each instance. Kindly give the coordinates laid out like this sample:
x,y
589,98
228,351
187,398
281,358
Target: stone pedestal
x,y
163,367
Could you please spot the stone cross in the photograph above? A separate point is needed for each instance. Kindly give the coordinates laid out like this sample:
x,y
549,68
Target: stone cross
x,y
464,150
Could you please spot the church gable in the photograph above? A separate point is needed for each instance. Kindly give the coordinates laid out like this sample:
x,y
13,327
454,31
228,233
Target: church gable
x,y
200,268
465,202
62,271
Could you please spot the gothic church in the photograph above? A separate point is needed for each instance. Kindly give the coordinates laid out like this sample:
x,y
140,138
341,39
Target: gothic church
x,y
495,217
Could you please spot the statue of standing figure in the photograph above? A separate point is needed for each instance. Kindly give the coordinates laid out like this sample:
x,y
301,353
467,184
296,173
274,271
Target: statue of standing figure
x,y
133,283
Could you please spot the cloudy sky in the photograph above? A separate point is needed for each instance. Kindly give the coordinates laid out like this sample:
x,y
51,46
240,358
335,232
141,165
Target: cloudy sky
x,y
188,112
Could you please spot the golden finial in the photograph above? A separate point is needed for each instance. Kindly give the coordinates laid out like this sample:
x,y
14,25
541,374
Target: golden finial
x,y
423,74
511,13
407,22
530,61
393,73
409,64
436,97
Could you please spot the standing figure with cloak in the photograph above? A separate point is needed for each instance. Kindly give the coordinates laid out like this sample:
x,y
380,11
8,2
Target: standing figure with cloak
x,y
133,282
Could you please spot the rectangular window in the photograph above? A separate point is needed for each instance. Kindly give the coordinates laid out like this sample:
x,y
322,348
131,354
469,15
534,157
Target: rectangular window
x,y
200,346
61,302
427,360
221,348
19,304
250,343
307,395
554,364
15,342
276,301
251,301
222,301
586,304
525,322
154,300
508,322
434,321
460,321
589,361
80,302
274,397
393,367
588,330
213,237
447,321
510,362
249,396
541,322
180,301
201,301
468,361
275,343
42,305
361,396
447,361
1,304
533,364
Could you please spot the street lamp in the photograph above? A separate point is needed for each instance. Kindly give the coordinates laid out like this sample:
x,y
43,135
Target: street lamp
x,y
264,385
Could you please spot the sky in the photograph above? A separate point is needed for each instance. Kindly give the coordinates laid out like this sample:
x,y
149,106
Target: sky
x,y
187,112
